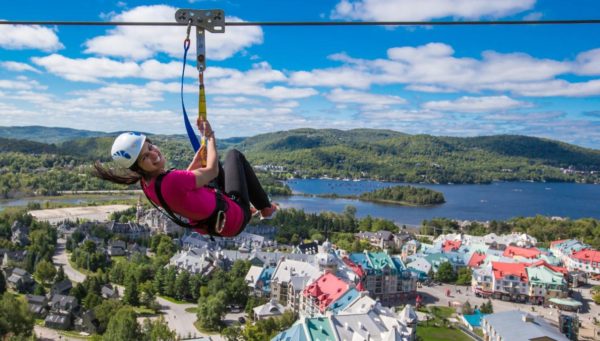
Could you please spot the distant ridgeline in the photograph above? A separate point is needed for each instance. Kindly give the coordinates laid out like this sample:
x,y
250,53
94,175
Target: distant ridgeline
x,y
399,195
394,156
41,160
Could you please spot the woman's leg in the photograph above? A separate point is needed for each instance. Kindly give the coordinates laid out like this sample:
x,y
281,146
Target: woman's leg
x,y
241,181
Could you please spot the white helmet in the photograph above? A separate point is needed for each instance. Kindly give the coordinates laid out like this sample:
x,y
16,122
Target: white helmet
x,y
126,148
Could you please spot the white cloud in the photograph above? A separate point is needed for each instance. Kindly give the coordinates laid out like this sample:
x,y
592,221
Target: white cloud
x,y
93,69
17,66
434,68
410,10
369,101
535,116
21,37
394,116
588,63
20,84
141,43
86,70
468,104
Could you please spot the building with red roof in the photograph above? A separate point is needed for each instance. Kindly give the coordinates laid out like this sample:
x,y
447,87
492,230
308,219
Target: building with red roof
x,y
317,296
510,279
451,245
515,251
586,260
476,260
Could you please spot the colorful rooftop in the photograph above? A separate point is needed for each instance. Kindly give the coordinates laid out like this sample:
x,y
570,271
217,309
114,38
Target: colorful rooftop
x,y
587,255
319,329
380,261
326,289
265,277
476,259
515,269
358,270
344,301
544,275
529,253
451,245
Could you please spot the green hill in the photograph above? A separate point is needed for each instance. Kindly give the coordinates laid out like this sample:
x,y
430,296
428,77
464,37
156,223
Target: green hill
x,y
34,167
47,134
387,155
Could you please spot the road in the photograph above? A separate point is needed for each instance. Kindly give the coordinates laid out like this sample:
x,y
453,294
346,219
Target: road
x,y
437,295
60,258
48,334
175,315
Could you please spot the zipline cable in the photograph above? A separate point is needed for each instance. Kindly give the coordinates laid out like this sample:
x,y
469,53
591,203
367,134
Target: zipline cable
x,y
315,23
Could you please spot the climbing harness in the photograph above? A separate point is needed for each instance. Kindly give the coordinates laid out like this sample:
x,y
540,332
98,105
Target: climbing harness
x,y
213,225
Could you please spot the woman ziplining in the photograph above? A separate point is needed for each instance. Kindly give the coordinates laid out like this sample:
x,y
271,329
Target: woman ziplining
x,y
215,199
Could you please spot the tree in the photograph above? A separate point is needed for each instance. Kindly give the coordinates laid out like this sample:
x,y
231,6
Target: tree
x,y
467,309
157,330
105,311
2,283
487,308
464,276
60,275
446,273
15,318
131,295
45,271
123,326
91,300
211,311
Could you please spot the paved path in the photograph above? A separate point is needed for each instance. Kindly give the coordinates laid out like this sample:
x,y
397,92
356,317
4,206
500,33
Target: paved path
x,y
60,258
175,315
48,334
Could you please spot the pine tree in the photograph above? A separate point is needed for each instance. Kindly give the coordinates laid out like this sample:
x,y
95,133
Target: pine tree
x,y
60,275
2,283
131,295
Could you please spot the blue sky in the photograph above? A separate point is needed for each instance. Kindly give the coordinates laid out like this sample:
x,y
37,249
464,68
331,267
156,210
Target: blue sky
x,y
459,81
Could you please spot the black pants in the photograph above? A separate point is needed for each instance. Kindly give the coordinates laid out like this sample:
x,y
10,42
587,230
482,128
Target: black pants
x,y
238,180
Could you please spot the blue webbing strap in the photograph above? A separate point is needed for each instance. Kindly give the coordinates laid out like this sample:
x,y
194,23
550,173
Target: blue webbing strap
x,y
188,127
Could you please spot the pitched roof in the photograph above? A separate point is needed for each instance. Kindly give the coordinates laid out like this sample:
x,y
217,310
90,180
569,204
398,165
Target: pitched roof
x,y
512,251
476,259
326,289
515,269
451,245
587,255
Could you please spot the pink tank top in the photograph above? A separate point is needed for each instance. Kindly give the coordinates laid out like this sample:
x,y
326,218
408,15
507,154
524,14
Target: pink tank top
x,y
184,198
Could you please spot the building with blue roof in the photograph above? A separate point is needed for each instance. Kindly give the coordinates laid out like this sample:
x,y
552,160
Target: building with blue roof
x,y
344,301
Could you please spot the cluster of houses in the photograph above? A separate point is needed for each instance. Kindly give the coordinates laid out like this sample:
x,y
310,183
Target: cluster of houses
x,y
57,308
509,267
337,295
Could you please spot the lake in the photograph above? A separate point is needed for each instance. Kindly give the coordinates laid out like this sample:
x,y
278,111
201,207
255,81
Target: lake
x,y
496,201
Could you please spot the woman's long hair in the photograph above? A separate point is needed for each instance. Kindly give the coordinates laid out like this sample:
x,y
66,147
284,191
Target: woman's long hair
x,y
128,176
124,177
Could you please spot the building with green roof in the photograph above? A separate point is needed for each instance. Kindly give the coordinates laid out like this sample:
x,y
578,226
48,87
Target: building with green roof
x,y
544,284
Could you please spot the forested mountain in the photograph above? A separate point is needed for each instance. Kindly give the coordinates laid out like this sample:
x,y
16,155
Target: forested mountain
x,y
388,155
29,167
47,134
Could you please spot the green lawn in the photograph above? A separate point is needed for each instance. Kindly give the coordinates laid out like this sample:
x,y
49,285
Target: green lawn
x,y
173,300
431,333
204,331
192,310
143,311
73,334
